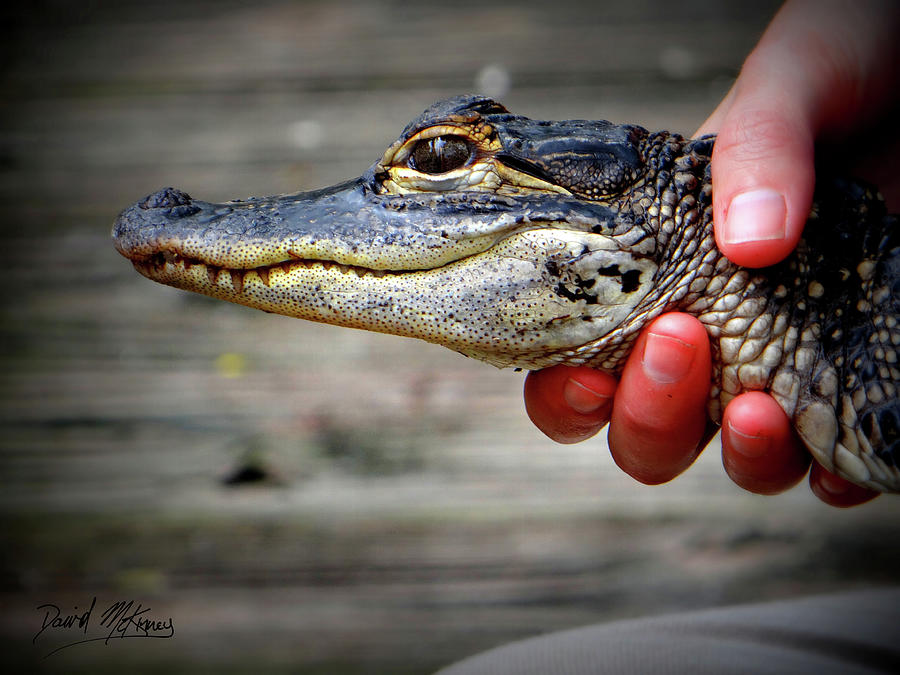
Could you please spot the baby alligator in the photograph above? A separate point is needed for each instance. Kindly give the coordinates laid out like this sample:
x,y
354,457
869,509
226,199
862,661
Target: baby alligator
x,y
527,243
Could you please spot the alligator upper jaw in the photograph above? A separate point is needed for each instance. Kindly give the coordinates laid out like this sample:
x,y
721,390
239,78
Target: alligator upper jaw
x,y
347,224
339,225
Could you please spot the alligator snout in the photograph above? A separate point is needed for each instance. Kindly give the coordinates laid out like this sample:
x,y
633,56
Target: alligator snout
x,y
139,228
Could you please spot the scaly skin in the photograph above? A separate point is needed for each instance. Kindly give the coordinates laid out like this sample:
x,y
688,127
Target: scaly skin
x,y
525,243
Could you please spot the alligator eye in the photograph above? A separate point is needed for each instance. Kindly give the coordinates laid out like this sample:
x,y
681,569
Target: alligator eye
x,y
440,155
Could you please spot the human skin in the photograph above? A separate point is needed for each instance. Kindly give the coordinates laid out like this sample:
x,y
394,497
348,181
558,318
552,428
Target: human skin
x,y
824,74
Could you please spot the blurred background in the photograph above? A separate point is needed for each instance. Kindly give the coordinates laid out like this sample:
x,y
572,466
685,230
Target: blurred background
x,y
312,499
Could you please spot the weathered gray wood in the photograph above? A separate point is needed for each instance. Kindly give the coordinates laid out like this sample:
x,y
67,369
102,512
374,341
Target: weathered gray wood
x,y
410,514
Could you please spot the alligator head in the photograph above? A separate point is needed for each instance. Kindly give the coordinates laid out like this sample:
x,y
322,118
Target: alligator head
x,y
517,242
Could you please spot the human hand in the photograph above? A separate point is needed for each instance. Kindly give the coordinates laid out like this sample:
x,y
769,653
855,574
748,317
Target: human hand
x,y
821,70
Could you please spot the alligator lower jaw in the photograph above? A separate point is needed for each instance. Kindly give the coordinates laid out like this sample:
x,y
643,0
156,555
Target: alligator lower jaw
x,y
328,292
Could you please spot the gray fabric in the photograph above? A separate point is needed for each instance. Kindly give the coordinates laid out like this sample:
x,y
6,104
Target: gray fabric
x,y
855,632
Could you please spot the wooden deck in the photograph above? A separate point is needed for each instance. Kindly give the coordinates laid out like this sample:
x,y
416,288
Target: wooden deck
x,y
406,514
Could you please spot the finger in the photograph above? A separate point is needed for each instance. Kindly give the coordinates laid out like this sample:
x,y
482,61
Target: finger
x,y
835,490
659,413
819,68
569,404
760,451
763,175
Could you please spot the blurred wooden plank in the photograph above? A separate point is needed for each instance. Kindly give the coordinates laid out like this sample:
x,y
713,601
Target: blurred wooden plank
x,y
370,45
411,514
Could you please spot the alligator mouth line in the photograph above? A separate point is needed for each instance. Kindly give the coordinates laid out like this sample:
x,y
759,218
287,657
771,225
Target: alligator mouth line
x,y
153,266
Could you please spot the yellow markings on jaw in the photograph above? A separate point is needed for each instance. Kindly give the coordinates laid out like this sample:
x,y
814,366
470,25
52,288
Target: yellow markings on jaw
x,y
250,255
262,287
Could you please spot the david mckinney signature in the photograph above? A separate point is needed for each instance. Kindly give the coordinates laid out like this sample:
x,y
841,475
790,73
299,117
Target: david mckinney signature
x,y
120,620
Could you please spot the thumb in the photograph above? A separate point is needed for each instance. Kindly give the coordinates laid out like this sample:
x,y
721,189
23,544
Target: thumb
x,y
763,176
821,66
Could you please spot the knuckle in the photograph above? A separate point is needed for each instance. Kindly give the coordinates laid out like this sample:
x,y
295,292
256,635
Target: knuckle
x,y
756,134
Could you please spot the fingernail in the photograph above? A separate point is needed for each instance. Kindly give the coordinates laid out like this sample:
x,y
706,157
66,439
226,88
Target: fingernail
x,y
757,215
583,399
747,445
833,484
666,359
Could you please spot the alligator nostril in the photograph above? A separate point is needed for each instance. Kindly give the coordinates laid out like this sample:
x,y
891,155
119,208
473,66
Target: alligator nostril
x,y
165,199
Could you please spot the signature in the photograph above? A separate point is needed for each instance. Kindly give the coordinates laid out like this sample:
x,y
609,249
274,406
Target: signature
x,y
120,620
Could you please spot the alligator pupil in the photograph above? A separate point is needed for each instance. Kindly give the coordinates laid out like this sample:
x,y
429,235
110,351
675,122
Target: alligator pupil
x,y
440,155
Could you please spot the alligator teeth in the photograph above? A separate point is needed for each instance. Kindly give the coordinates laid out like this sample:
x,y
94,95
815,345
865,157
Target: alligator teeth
x,y
237,280
154,265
